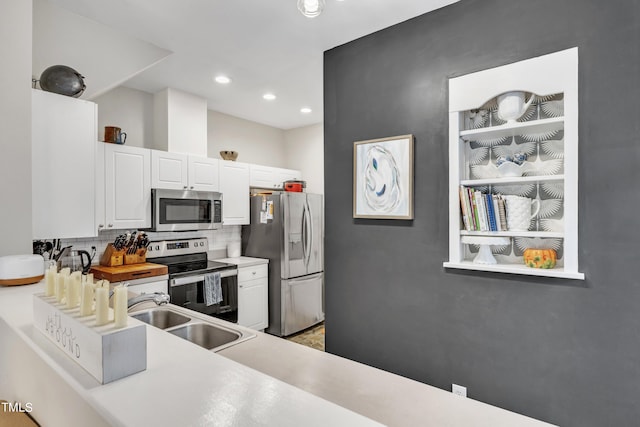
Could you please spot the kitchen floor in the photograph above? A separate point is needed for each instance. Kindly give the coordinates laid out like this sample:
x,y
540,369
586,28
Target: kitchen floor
x,y
312,337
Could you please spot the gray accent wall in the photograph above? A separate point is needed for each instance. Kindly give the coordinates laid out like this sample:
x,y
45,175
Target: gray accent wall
x,y
563,351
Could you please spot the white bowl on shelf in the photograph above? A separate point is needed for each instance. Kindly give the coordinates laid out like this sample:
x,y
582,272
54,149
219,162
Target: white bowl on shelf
x,y
510,169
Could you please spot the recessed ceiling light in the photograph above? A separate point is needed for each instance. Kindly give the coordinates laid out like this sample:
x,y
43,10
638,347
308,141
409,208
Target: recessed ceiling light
x,y
305,110
222,79
269,96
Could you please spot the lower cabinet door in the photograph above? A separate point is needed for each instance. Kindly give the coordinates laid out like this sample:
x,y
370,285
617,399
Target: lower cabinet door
x,y
302,302
252,304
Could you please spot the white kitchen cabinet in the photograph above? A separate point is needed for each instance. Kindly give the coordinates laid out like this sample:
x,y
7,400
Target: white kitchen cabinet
x,y
176,171
169,170
234,186
270,177
203,174
253,296
262,176
64,135
127,187
283,175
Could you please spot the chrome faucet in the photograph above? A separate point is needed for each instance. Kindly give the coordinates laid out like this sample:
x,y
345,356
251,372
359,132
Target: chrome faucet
x,y
158,297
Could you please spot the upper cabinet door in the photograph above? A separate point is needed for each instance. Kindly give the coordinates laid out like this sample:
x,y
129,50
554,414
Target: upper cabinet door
x,y
283,175
169,170
203,174
262,176
64,135
270,177
127,187
234,186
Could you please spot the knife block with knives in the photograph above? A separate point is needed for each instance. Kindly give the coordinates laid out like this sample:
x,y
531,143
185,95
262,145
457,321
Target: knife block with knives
x,y
137,257
126,249
112,257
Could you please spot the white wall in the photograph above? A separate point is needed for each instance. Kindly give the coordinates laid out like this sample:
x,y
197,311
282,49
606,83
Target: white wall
x,y
129,109
254,142
105,56
180,122
304,148
15,127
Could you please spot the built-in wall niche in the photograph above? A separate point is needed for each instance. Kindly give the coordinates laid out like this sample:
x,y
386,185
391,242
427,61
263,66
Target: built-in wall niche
x,y
513,151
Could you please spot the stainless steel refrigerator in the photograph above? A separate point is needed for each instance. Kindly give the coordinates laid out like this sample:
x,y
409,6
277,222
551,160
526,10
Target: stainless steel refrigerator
x,y
287,228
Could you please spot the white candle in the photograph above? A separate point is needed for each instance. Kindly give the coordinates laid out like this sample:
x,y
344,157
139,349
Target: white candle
x,y
105,283
65,271
86,299
102,306
69,290
98,284
120,306
90,278
59,287
77,289
50,277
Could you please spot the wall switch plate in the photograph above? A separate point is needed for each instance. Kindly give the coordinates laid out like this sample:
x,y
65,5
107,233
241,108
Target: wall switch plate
x,y
459,390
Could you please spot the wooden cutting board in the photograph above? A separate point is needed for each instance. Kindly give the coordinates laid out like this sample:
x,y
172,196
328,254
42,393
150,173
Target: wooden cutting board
x,y
128,272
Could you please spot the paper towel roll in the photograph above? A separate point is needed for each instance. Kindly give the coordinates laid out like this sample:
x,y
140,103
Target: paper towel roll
x,y
233,249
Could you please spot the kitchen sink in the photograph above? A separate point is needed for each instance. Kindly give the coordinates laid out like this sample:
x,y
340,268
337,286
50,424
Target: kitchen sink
x,y
162,318
207,335
208,332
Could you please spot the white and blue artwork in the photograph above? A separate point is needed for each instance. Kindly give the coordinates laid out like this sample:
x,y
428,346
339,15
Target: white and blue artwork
x,y
383,178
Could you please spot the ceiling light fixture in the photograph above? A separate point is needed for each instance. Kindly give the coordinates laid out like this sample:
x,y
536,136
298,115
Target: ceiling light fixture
x,y
311,8
222,80
269,96
305,110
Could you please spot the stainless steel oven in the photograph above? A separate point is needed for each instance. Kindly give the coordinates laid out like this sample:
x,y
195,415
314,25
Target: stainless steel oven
x,y
189,291
178,210
189,267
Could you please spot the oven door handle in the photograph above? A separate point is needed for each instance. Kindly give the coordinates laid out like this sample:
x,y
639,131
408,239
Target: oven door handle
x,y
181,281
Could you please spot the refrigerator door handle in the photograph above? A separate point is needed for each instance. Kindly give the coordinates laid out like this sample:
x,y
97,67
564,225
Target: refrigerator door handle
x,y
305,234
310,232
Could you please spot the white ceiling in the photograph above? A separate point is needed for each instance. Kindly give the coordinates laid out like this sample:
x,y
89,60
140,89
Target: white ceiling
x,y
263,45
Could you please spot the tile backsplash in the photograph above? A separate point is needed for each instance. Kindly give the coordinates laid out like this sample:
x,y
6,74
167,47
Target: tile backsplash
x,y
218,239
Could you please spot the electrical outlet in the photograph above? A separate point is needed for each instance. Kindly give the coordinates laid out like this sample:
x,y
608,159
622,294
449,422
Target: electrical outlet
x,y
459,390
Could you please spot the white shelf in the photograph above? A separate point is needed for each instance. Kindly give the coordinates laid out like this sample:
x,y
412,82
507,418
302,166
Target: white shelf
x,y
515,269
541,234
554,74
511,180
513,129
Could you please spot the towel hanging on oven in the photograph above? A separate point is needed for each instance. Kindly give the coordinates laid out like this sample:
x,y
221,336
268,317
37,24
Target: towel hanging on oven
x,y
212,289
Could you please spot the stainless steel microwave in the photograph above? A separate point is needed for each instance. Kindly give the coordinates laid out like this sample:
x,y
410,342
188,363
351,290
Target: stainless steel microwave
x,y
182,210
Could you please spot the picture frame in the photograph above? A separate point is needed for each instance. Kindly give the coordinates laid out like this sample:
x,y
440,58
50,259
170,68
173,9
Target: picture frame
x,y
383,178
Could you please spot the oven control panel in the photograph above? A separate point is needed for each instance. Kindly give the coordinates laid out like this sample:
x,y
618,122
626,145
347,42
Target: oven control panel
x,y
177,247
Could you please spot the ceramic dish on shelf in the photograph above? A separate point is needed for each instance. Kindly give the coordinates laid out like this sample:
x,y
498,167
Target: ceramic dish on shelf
x,y
510,169
229,155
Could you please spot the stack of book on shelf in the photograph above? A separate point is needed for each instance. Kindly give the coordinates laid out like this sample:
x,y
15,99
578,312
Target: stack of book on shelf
x,y
482,212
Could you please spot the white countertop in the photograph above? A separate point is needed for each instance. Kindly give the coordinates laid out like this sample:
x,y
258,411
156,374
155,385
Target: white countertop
x,y
265,381
244,261
183,385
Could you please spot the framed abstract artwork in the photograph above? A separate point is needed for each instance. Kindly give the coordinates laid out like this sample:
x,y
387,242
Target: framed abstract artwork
x,y
383,178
